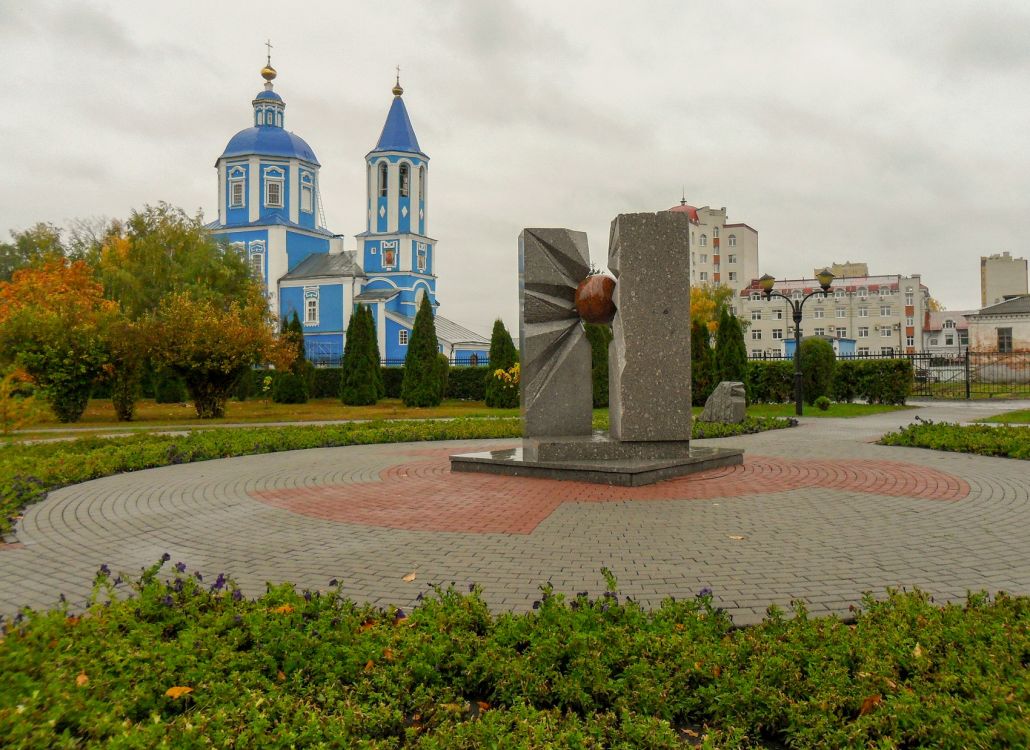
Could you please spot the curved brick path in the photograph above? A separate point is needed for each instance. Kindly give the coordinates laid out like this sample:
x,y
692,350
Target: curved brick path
x,y
817,513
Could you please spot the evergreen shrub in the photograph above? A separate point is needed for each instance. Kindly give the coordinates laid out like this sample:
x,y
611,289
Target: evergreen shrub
x,y
771,381
817,365
289,387
702,363
169,388
360,374
467,383
424,377
503,355
731,362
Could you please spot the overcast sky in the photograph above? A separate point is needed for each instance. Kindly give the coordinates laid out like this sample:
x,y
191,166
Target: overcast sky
x,y
891,132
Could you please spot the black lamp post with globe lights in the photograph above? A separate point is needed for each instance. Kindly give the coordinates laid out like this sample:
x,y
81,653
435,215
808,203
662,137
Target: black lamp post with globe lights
x,y
767,282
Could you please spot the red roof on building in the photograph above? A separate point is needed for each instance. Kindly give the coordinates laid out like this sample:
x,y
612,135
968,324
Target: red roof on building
x,y
687,209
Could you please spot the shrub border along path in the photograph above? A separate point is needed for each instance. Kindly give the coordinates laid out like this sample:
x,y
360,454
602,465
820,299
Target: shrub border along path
x,y
824,541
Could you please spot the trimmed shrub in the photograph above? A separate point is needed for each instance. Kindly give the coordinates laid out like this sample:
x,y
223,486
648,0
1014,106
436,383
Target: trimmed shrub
x,y
822,403
817,364
886,381
325,382
498,394
847,376
246,386
393,379
702,363
467,383
169,388
289,388
770,381
599,336
424,378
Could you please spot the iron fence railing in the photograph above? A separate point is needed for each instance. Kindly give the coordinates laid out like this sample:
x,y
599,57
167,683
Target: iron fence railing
x,y
969,374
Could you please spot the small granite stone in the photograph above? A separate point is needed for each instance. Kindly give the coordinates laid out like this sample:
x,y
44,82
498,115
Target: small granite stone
x,y
728,403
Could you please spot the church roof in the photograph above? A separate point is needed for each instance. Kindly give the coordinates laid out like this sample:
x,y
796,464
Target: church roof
x,y
447,330
268,140
269,94
377,295
398,135
319,265
269,220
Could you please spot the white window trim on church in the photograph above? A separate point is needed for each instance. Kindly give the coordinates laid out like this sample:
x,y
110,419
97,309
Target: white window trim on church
x,y
274,182
386,245
402,337
237,181
256,258
311,305
307,193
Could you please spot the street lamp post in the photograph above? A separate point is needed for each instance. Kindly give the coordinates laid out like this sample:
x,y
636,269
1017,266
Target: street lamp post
x,y
825,280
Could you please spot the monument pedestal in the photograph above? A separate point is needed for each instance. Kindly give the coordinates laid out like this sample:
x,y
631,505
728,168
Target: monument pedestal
x,y
599,460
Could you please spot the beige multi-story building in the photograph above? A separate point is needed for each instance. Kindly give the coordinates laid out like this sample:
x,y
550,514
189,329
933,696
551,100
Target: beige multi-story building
x,y
883,314
720,252
947,332
1001,277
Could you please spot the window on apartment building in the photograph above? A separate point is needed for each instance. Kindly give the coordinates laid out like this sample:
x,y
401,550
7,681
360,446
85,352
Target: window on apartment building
x,y
842,332
841,312
820,331
933,341
963,338
756,354
909,320
910,341
715,268
704,258
756,334
909,298
715,231
948,324
731,258
777,333
797,294
885,311
863,312
1004,339
886,332
862,292
819,313
863,332
704,276
704,240
756,315
839,293
885,291
756,296
733,240
887,351
733,275
863,350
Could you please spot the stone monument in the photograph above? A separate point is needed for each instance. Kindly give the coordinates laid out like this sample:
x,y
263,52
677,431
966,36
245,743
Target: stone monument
x,y
647,301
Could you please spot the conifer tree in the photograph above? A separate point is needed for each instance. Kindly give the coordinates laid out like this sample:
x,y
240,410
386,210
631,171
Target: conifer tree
x,y
503,355
702,363
357,380
730,351
424,375
372,343
295,331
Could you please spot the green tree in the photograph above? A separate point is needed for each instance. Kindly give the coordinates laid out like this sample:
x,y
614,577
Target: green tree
x,y
730,351
818,363
599,336
32,246
357,374
702,363
424,377
291,386
372,342
499,393
160,250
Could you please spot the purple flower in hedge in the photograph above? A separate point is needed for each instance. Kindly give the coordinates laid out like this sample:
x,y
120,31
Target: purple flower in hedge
x,y
334,582
165,557
104,570
180,567
237,595
198,576
62,599
706,591
536,604
307,595
237,619
219,583
399,615
117,580
419,597
168,601
178,584
472,587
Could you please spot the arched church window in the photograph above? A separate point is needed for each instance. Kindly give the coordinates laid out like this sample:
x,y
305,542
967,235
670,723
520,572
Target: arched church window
x,y
404,180
307,192
422,183
383,184
261,117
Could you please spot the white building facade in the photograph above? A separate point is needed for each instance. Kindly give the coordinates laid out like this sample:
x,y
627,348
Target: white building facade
x,y
721,252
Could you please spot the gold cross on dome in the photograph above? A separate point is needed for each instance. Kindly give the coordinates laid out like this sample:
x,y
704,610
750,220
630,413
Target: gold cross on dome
x,y
269,45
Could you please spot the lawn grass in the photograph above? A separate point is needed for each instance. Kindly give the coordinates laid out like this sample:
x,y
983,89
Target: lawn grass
x,y
839,410
149,414
188,661
1019,416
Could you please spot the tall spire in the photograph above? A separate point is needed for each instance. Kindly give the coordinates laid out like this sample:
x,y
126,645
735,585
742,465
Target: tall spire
x,y
397,90
683,200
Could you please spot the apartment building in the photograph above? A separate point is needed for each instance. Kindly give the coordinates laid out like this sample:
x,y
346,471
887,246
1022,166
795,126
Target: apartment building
x,y
721,252
884,314
947,332
1001,277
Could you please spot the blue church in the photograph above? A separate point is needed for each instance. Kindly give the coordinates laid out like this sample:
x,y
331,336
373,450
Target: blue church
x,y
270,209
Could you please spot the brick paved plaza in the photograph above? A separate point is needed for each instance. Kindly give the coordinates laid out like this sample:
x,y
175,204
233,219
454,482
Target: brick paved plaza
x,y
817,513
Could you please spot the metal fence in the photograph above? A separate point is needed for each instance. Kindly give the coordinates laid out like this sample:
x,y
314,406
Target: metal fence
x,y
966,375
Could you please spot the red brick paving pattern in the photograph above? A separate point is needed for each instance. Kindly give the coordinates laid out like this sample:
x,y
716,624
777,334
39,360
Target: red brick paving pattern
x,y
423,495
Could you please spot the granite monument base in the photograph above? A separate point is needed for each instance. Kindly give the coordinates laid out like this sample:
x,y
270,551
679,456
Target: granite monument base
x,y
622,471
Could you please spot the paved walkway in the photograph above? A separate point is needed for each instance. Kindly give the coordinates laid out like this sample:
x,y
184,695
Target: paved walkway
x,y
817,513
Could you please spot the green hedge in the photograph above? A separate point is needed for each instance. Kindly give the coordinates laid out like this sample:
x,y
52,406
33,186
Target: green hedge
x,y
185,660
877,381
464,383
